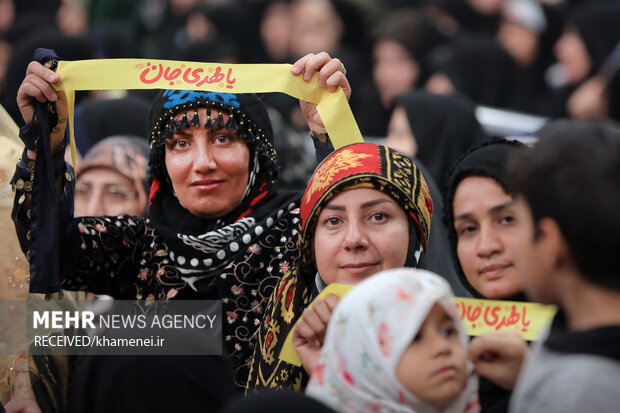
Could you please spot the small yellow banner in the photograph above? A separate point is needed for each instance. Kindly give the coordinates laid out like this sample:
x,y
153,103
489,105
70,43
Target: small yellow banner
x,y
484,316
114,74
479,316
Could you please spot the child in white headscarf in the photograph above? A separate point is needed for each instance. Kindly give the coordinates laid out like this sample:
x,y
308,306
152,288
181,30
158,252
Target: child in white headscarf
x,y
396,344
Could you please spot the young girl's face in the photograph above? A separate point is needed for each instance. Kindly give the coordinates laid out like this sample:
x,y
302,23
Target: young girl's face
x,y
434,366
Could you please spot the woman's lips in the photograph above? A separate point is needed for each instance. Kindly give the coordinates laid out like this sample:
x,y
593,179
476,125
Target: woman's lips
x,y
207,184
359,268
494,271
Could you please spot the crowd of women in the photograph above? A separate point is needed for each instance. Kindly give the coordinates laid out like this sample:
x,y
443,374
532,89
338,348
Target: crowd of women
x,y
206,204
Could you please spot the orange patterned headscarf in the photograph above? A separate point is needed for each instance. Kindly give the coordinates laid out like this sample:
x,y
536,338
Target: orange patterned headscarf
x,y
370,165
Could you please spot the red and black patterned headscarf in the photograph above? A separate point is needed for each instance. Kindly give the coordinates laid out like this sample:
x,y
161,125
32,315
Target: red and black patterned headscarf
x,y
372,166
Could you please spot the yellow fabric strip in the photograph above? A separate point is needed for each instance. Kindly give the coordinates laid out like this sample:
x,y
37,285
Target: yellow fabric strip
x,y
114,74
479,316
483,316
71,104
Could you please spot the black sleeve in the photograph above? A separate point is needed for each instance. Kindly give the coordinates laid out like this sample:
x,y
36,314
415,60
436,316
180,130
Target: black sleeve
x,y
322,148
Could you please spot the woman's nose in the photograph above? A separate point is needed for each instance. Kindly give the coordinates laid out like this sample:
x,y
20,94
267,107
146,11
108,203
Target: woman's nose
x,y
93,206
488,242
355,237
204,158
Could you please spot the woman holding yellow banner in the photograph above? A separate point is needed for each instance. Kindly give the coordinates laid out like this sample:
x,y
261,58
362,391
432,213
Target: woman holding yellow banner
x,y
484,235
217,227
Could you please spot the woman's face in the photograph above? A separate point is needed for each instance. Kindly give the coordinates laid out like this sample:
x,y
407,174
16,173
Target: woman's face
x,y
573,55
315,27
104,191
488,235
358,233
519,41
400,136
275,29
395,71
434,366
209,170
440,84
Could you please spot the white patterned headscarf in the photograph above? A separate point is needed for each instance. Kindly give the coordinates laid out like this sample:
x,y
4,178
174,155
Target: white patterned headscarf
x,y
368,333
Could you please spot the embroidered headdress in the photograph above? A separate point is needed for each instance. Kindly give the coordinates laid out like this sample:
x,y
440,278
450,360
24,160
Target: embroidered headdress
x,y
199,244
247,116
372,166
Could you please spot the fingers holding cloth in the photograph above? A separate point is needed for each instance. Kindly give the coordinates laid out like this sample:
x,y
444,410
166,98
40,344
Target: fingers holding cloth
x,y
37,86
499,357
332,75
45,112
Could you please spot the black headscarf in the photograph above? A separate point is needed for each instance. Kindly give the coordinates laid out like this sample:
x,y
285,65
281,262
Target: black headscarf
x,y
488,159
93,119
444,127
413,31
480,69
438,256
599,28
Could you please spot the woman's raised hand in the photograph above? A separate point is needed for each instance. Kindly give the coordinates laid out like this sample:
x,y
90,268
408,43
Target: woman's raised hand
x,y
37,87
309,332
331,76
499,356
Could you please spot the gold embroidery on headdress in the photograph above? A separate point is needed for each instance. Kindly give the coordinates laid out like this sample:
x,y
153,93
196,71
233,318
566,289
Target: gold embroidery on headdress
x,y
344,160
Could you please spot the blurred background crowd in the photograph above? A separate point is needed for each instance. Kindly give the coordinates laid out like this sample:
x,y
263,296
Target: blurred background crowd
x,y
518,62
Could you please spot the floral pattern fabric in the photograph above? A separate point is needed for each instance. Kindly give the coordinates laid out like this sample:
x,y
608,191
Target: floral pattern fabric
x,y
371,328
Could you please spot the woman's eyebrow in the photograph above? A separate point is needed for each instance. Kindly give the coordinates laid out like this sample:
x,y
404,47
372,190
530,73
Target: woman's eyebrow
x,y
335,207
182,132
492,210
373,203
463,216
362,206
501,206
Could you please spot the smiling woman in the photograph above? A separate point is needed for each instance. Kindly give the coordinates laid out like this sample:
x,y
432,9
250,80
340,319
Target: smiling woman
x,y
367,208
355,234
487,232
482,224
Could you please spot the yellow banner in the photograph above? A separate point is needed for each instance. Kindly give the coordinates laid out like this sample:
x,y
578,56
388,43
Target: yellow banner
x,y
479,316
114,74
